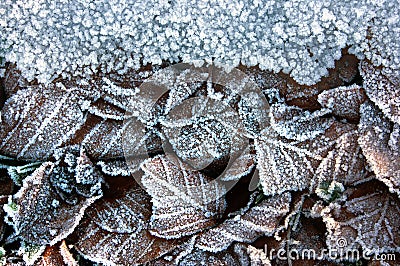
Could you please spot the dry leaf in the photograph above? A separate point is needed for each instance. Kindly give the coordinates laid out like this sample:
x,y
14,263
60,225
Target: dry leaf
x,y
235,256
367,219
262,219
380,143
39,214
382,87
290,164
184,201
116,232
36,121
56,256
344,102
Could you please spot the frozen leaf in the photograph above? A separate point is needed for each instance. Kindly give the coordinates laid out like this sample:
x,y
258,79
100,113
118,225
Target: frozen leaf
x,y
173,257
13,80
116,232
262,219
290,164
18,173
258,257
104,140
240,166
106,111
201,130
382,87
75,175
294,123
35,121
234,256
345,163
344,102
40,215
114,168
122,215
380,143
58,254
330,191
367,219
184,201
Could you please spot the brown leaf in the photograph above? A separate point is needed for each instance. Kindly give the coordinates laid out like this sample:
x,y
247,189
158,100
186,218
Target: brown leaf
x,y
36,121
382,87
344,102
57,255
116,232
345,163
380,143
184,201
262,219
40,215
286,164
234,256
368,219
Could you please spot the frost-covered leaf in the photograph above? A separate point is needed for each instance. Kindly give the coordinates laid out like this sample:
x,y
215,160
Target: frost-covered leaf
x,y
290,164
35,121
367,219
18,173
184,201
234,256
240,165
13,80
258,257
104,140
382,87
106,111
380,143
262,219
294,123
172,258
58,254
343,101
40,215
345,163
115,167
75,175
116,232
201,130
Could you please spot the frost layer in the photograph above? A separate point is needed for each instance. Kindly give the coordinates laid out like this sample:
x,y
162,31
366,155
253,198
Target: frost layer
x,y
303,38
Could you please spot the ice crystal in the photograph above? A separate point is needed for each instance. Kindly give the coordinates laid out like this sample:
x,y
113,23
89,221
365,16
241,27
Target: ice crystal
x,y
302,38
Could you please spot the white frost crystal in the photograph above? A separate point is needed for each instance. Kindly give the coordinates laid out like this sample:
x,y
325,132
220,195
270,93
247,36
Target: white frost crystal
x,y
46,38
